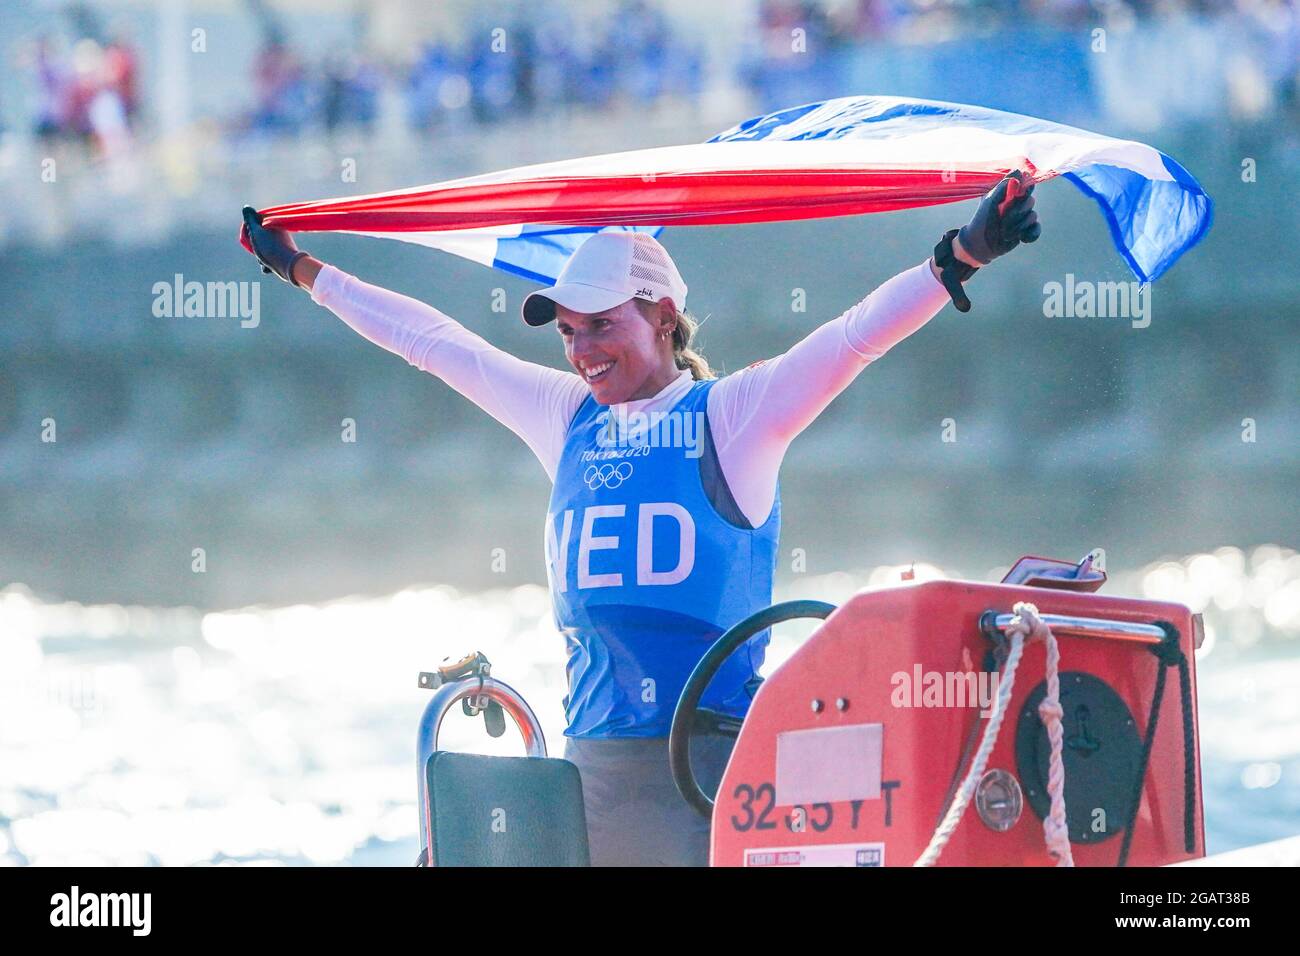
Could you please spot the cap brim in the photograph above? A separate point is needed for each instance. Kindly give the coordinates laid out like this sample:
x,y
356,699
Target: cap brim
x,y
539,306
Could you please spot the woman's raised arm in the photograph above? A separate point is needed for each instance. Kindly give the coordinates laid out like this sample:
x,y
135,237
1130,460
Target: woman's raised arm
x,y
534,401
757,412
773,401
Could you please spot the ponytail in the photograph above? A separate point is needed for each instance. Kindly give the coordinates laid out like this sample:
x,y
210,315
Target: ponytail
x,y
683,334
685,356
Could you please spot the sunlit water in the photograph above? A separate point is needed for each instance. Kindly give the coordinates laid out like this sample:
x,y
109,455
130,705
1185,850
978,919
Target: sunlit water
x,y
286,735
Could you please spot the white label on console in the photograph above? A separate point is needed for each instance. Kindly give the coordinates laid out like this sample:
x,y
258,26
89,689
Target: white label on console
x,y
837,854
828,764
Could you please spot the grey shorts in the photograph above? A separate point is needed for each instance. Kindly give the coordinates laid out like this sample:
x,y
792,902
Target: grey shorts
x,y
635,816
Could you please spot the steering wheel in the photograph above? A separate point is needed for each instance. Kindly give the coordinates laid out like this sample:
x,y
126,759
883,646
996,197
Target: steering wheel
x,y
689,715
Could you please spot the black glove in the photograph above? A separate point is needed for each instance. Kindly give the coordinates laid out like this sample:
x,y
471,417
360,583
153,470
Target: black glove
x,y
952,271
1005,218
1002,221
274,248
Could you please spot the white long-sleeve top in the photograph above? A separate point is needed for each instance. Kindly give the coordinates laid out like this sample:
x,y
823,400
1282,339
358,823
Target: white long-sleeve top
x,y
754,414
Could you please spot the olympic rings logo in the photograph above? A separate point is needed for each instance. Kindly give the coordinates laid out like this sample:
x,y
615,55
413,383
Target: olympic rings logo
x,y
607,476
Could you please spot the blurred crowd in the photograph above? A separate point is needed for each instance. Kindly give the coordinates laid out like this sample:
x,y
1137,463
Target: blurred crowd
x,y
547,57
831,23
87,91
790,28
635,54
289,96
544,60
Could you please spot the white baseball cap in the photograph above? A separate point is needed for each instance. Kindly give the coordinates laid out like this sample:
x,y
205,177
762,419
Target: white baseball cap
x,y
607,270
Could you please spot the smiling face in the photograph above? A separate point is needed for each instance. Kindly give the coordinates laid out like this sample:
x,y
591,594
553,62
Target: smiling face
x,y
622,353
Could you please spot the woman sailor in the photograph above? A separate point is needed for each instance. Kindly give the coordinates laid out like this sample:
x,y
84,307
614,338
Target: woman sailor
x,y
665,510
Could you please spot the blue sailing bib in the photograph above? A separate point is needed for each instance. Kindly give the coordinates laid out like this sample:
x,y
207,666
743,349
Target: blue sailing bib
x,y
649,561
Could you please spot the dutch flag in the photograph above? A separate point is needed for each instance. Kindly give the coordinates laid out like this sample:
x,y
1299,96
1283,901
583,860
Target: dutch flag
x,y
846,156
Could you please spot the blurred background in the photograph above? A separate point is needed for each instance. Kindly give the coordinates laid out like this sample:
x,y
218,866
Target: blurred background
x,y
213,610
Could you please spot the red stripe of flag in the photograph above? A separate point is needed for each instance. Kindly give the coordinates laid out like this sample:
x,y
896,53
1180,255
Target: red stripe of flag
x,y
710,198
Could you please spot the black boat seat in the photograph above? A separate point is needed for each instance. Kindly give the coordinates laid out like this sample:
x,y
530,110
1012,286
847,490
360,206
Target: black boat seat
x,y
505,811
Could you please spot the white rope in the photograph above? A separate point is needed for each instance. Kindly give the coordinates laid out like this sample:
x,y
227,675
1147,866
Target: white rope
x,y
1055,832
1026,624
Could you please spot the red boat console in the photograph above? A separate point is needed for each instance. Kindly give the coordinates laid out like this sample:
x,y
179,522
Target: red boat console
x,y
853,749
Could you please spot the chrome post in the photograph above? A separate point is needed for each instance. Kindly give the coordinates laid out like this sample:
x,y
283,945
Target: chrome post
x,y
481,690
1070,626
